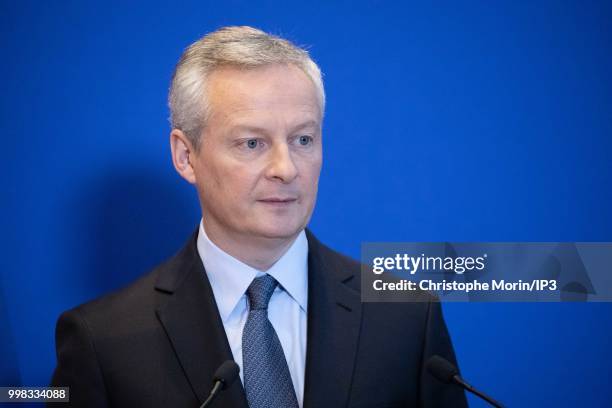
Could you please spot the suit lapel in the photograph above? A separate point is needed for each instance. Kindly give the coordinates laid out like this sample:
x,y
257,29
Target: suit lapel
x,y
189,315
334,318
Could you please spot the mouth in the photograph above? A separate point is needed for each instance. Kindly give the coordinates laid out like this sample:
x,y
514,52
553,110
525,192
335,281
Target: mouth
x,y
279,201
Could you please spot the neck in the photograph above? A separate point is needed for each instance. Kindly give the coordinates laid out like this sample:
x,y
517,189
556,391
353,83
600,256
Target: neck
x,y
259,252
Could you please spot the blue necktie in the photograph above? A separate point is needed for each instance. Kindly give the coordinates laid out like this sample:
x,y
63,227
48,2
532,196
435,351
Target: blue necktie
x,y
267,381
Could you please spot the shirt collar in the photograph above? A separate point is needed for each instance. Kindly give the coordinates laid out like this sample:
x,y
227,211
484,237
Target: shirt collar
x,y
230,278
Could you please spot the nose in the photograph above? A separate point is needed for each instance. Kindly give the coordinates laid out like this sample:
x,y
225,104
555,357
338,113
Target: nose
x,y
281,166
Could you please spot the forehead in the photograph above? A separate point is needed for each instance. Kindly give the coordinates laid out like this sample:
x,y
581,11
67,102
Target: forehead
x,y
274,90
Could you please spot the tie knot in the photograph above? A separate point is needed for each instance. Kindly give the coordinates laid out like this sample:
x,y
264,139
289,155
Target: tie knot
x,y
260,291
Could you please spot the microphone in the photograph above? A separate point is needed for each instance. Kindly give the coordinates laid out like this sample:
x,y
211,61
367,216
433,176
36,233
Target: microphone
x,y
444,371
225,376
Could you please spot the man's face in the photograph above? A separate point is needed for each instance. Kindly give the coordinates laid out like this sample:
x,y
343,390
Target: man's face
x,y
258,165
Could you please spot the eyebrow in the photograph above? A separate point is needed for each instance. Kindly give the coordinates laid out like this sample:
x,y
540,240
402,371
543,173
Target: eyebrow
x,y
251,129
263,131
310,123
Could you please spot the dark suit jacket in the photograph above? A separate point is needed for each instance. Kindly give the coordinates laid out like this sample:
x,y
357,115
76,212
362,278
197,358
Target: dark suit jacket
x,y
158,342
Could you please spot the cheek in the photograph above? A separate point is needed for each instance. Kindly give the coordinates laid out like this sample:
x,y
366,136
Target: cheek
x,y
313,165
235,183
310,172
212,180
216,170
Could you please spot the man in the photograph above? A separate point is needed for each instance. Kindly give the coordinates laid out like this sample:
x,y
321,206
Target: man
x,y
252,284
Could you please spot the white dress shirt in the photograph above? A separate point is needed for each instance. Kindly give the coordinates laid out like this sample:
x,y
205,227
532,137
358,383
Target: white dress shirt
x,y
230,278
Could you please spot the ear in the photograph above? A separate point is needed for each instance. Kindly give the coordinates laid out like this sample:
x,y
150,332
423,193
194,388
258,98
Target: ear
x,y
182,155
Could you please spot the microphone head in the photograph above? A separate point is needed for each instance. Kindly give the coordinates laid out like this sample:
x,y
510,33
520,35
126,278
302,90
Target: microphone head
x,y
441,368
226,373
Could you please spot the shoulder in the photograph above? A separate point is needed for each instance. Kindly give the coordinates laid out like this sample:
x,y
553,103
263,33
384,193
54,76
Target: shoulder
x,y
351,270
135,304
124,299
124,308
330,258
144,294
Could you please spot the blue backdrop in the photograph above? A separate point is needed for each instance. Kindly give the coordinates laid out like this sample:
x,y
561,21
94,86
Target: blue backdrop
x,y
456,121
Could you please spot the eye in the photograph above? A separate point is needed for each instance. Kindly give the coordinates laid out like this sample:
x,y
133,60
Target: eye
x,y
305,140
252,143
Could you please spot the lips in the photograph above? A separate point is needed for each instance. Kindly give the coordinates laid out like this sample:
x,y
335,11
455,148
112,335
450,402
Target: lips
x,y
278,200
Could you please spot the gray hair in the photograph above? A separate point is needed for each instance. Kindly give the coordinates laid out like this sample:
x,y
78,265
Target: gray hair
x,y
244,47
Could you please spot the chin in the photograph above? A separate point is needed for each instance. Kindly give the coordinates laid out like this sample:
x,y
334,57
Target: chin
x,y
280,231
